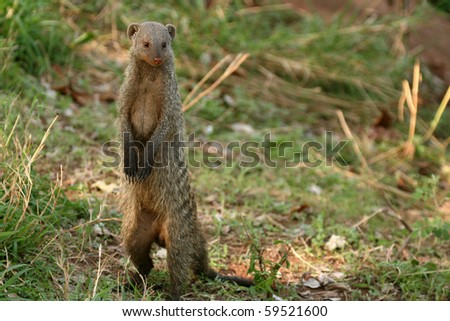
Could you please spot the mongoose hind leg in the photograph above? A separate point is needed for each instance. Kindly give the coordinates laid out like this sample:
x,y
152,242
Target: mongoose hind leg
x,y
143,263
138,239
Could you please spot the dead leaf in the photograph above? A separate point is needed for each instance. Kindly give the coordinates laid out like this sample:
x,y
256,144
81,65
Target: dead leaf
x,y
315,189
445,173
384,120
242,128
225,230
337,275
403,185
257,191
107,188
305,294
210,199
100,229
277,298
381,129
67,89
335,242
325,279
310,282
161,253
445,209
280,195
229,100
298,209
427,168
380,134
339,287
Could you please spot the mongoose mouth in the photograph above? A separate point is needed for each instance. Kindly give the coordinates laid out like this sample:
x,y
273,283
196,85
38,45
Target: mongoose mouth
x,y
156,62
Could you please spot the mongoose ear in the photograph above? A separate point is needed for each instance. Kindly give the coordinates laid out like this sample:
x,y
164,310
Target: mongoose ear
x,y
132,29
172,30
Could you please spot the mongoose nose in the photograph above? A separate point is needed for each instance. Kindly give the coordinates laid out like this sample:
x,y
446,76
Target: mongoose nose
x,y
157,61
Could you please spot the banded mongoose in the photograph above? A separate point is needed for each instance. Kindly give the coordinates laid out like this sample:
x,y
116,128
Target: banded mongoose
x,y
156,201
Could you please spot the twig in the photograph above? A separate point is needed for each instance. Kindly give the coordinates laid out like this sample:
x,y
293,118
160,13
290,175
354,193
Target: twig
x,y
98,220
446,142
389,252
409,148
28,172
65,270
401,107
99,270
427,272
408,96
353,29
415,84
366,180
366,218
349,135
398,217
403,246
386,154
72,229
275,222
270,8
412,102
41,144
205,78
303,260
11,132
438,115
234,65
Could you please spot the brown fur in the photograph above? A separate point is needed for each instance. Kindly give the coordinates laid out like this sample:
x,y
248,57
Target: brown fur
x,y
157,202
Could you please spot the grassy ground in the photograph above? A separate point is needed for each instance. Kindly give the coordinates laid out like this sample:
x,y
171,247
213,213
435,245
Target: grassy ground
x,y
62,64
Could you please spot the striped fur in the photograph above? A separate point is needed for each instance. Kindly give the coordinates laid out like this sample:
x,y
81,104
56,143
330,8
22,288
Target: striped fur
x,y
157,203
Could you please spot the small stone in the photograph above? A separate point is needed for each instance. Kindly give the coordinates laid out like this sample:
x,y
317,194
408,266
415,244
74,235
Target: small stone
x,y
243,128
311,283
315,189
335,242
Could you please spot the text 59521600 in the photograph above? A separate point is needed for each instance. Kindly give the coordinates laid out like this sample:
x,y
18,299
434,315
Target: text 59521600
x,y
295,311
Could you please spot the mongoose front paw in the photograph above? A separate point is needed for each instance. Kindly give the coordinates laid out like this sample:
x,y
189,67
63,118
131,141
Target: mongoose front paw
x,y
130,164
131,173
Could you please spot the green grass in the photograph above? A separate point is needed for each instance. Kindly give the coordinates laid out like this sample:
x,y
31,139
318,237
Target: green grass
x,y
59,228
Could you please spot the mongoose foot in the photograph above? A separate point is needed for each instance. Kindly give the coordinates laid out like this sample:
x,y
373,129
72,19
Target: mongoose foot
x,y
213,275
175,295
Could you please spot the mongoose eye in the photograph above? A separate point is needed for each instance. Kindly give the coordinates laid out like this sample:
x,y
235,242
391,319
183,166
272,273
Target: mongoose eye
x,y
164,44
146,44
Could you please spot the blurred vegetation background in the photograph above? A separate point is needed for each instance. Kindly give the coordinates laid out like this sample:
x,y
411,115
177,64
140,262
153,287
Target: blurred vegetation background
x,y
377,229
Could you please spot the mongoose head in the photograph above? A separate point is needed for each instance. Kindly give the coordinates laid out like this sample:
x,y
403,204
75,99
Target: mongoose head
x,y
151,42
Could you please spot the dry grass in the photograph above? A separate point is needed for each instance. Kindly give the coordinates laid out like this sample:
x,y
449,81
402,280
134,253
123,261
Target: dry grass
x,y
61,235
234,64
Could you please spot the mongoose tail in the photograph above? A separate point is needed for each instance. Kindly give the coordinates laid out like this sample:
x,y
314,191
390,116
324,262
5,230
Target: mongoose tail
x,y
214,275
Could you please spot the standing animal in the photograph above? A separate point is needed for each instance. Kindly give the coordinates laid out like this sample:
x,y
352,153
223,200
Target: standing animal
x,y
156,200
